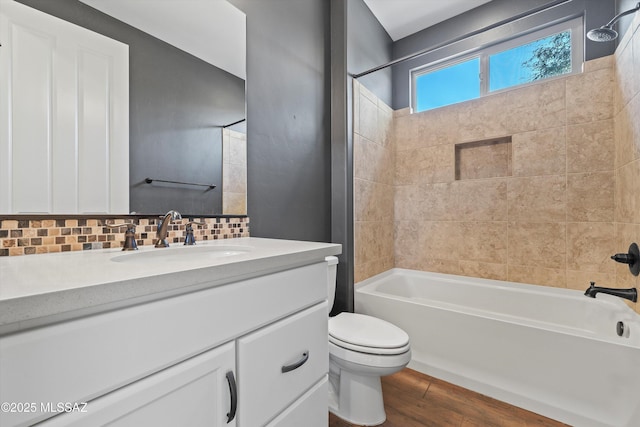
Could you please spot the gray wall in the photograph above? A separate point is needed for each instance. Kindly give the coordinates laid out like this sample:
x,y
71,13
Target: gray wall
x,y
596,13
368,45
175,102
288,149
299,151
625,22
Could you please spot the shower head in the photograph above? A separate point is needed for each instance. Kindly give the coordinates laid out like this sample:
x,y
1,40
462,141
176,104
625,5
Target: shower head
x,y
606,32
602,34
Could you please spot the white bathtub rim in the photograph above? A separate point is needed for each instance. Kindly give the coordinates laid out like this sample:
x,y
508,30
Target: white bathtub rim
x,y
479,280
626,313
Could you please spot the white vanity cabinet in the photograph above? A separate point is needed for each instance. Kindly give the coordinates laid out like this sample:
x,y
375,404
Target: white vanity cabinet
x,y
169,362
279,363
193,393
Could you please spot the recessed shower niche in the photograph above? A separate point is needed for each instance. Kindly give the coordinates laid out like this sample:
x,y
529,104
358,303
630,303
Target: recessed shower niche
x,y
489,158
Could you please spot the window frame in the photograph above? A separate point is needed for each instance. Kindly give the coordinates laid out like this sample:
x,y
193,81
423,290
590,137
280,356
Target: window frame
x,y
575,25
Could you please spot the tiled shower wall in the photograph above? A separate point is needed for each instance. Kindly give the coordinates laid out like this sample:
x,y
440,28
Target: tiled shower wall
x,y
627,147
546,218
373,183
234,172
546,197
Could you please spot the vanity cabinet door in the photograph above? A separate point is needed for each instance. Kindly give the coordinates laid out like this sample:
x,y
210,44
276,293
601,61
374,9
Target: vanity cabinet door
x,y
194,393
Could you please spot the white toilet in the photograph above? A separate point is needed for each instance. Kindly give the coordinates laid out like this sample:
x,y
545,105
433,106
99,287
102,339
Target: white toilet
x,y
361,350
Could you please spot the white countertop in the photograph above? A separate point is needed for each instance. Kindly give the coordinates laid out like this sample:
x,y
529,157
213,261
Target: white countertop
x,y
40,289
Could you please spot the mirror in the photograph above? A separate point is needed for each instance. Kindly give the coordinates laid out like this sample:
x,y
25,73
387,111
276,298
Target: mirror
x,y
186,95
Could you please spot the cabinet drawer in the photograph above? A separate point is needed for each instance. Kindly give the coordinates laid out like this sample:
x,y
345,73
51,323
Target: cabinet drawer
x,y
269,378
311,410
82,359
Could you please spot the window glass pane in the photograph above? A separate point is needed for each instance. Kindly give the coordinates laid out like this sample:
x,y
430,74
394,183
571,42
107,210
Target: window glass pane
x,y
547,57
449,85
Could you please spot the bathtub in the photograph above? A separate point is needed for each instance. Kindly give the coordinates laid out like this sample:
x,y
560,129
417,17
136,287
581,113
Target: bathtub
x,y
552,351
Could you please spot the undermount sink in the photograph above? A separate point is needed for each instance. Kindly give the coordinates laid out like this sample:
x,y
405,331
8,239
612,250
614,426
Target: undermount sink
x,y
182,253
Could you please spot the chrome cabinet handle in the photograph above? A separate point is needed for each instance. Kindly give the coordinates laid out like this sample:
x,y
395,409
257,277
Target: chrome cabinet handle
x,y
234,396
296,365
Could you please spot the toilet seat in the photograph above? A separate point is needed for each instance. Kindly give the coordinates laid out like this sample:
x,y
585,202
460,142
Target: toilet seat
x,y
367,334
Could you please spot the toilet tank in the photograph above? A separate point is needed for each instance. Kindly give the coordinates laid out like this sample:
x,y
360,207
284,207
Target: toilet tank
x,y
332,270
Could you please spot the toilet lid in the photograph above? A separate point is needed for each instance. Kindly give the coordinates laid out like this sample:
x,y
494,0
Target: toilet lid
x,y
366,332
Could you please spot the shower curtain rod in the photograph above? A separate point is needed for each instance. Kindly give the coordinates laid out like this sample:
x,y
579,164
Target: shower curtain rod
x,y
460,38
234,123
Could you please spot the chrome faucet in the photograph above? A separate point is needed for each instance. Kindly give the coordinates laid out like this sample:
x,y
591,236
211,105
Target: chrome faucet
x,y
163,225
630,294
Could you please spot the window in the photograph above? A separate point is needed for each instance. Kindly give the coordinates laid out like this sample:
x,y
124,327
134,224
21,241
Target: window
x,y
550,52
434,85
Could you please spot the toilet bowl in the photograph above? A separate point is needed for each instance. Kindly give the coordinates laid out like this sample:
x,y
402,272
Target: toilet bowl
x,y
361,349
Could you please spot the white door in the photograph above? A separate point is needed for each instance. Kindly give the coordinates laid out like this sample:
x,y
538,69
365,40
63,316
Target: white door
x,y
199,392
64,116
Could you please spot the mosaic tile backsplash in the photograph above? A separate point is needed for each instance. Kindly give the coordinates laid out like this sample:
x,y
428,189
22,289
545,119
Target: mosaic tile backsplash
x,y
41,236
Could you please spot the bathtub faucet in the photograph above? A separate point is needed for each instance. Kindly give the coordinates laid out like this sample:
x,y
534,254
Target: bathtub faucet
x,y
630,294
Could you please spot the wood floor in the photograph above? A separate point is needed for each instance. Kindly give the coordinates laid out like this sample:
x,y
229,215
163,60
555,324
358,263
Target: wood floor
x,y
413,399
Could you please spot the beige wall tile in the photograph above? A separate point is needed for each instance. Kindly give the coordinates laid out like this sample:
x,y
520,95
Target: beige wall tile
x,y
541,152
373,241
444,266
590,246
635,42
238,148
624,72
373,201
599,63
385,127
483,118
372,161
482,241
582,105
407,243
440,240
235,203
439,202
537,199
368,118
235,178
580,280
425,165
590,147
410,132
483,270
439,126
538,276
408,202
471,241
401,112
626,198
591,196
370,269
480,200
634,114
537,245
624,144
534,107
